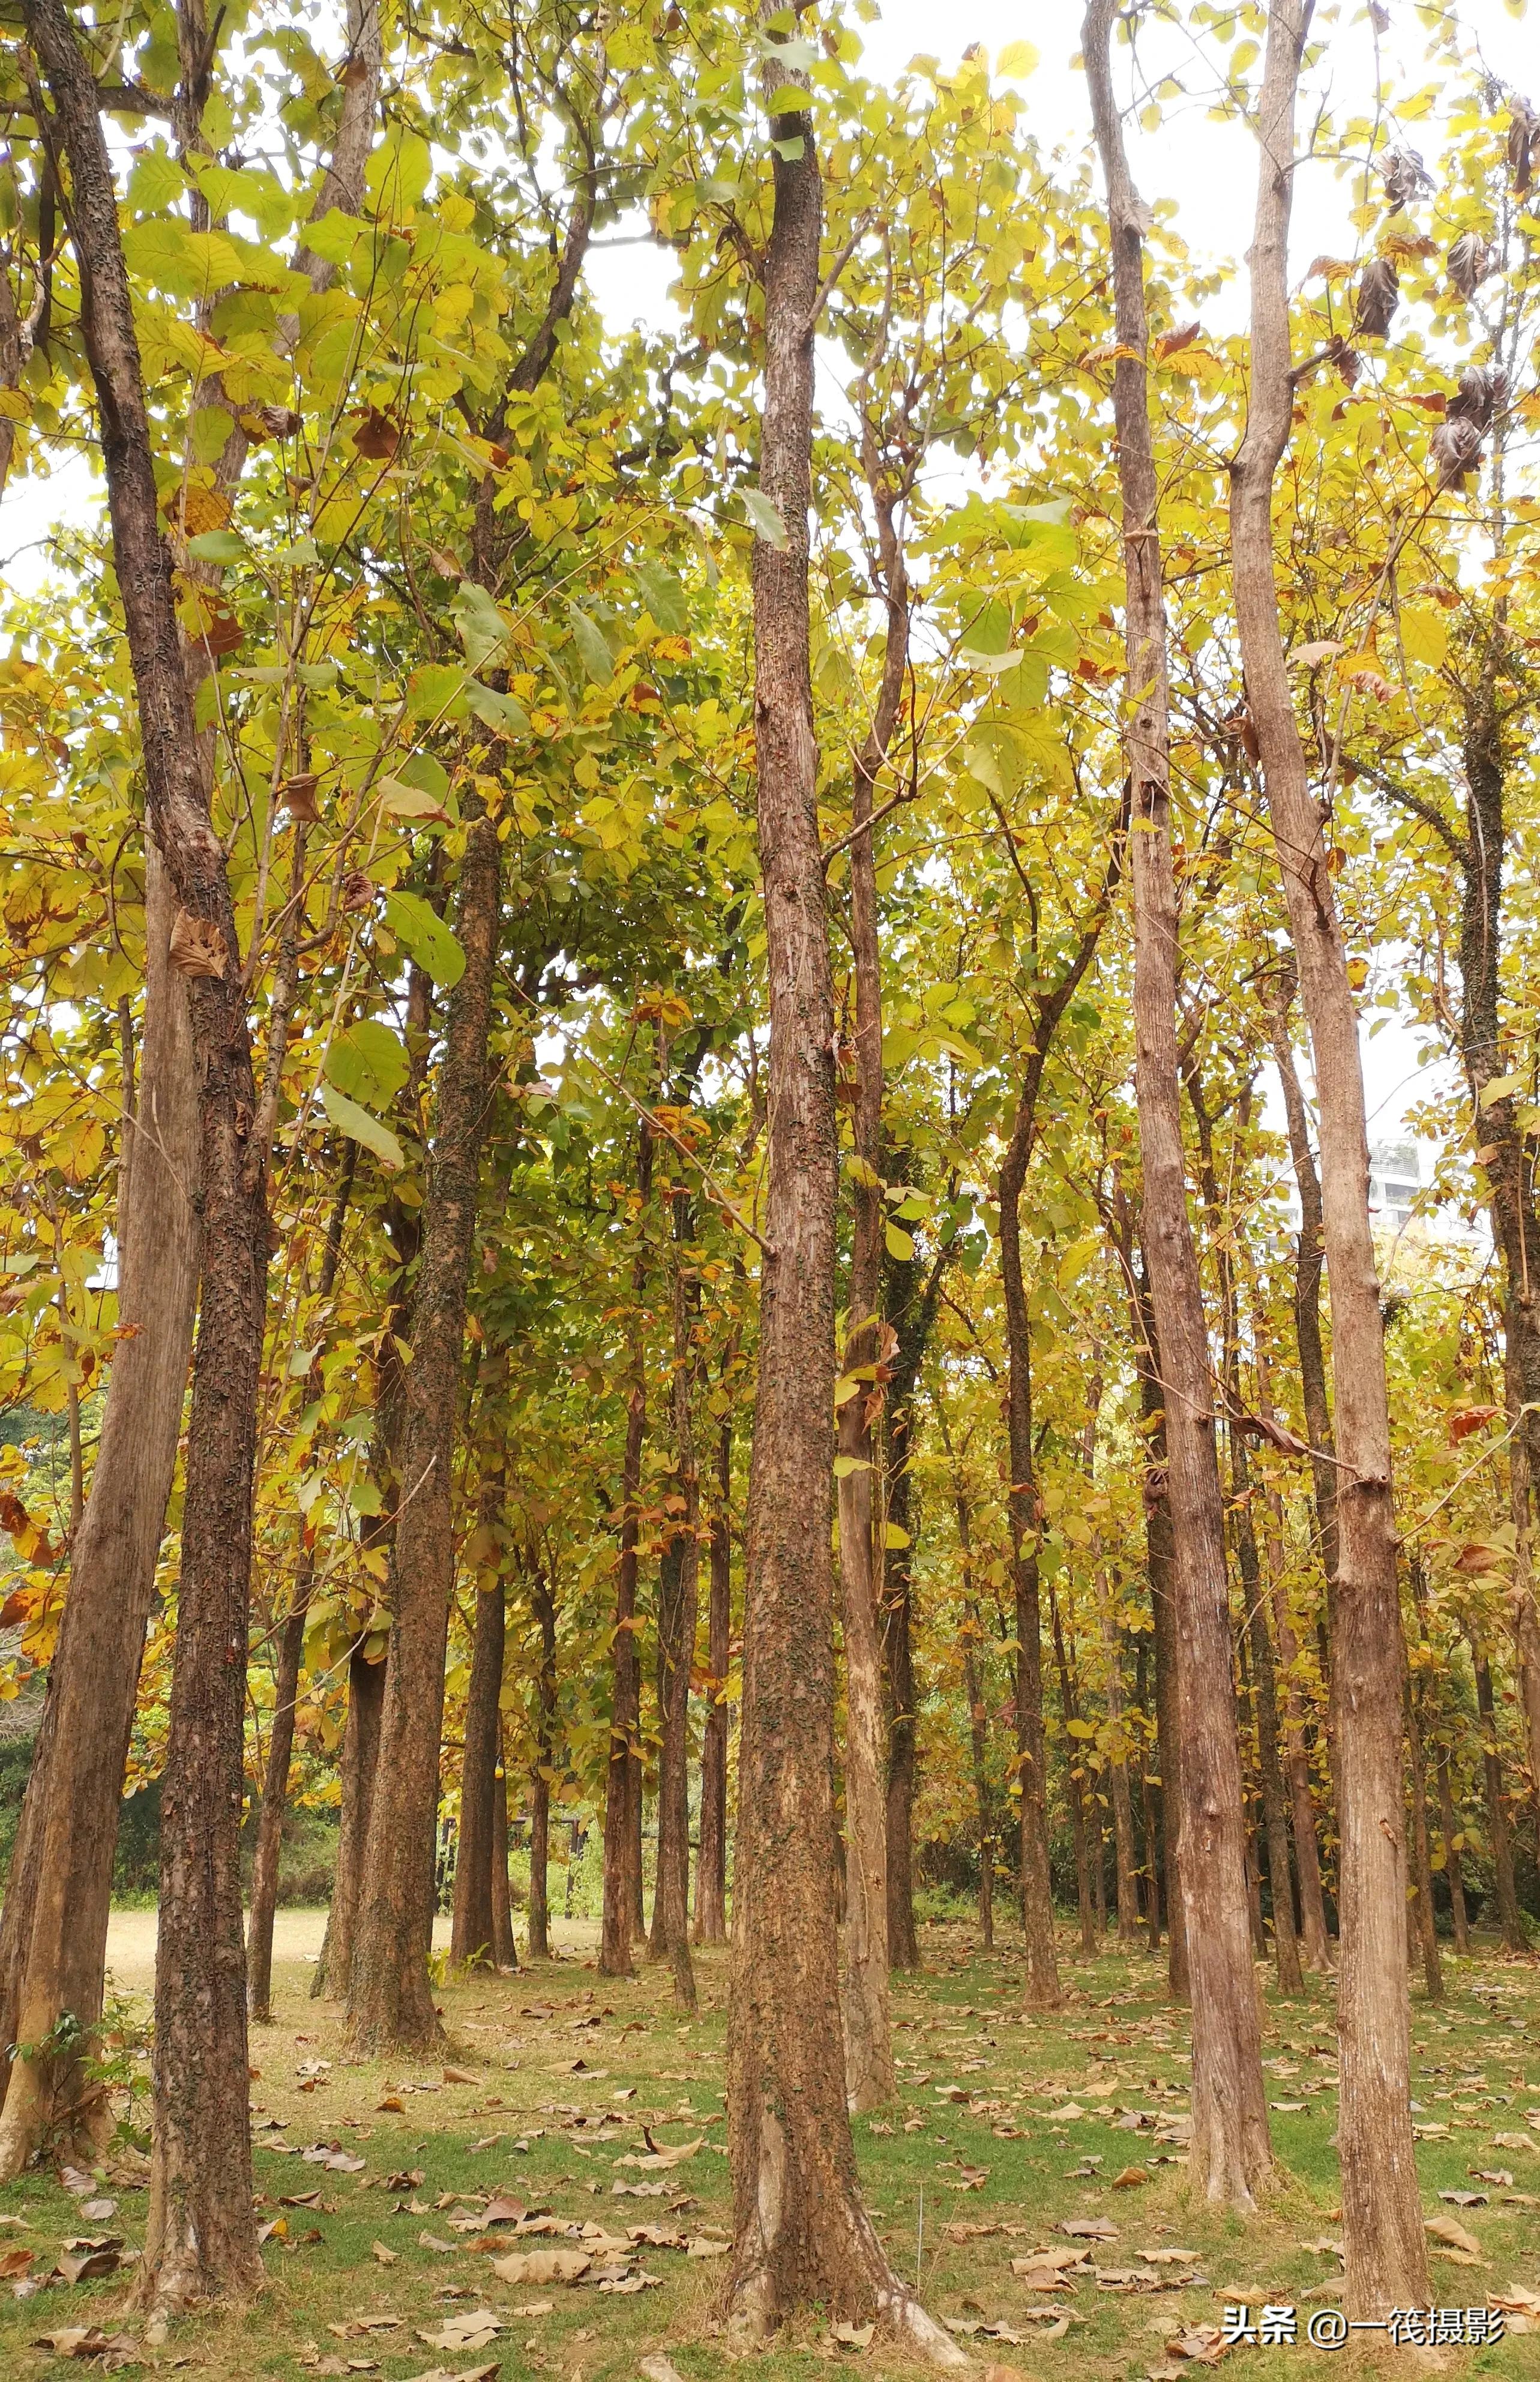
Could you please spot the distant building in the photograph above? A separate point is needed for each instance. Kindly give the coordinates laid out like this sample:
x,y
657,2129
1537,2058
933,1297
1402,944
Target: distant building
x,y
1395,1182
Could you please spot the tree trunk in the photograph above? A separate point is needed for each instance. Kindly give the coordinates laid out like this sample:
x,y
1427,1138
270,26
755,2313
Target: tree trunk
x,y
286,1690
200,2239
678,1618
801,2234
1509,1921
1151,1857
1427,1935
473,1928
1312,1909
1386,2251
1075,1785
1038,1898
897,1643
1232,2156
1450,1829
1160,1559
505,1952
711,1869
978,1720
868,2023
543,1603
1118,1775
53,1930
622,1773
390,1998
1309,1258
360,1749
1275,1808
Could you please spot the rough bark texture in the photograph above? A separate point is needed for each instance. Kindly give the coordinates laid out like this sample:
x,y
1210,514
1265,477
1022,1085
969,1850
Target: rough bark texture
x,y
1309,1259
285,1691
711,1869
1450,1828
1386,2257
361,1750
390,1996
1275,1807
622,1775
543,1603
201,2238
473,1928
1509,1921
1160,1561
1427,1936
801,2233
679,1616
1074,1783
1231,2155
54,1931
505,1953
1124,1855
909,1301
1314,1943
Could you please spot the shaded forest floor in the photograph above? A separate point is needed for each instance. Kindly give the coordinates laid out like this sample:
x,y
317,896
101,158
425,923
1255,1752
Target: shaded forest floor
x,y
1006,2130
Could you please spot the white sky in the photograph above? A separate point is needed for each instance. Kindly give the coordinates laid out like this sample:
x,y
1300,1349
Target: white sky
x,y
1208,169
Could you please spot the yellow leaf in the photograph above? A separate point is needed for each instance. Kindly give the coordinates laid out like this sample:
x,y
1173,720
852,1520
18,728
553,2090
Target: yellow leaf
x,y
1017,60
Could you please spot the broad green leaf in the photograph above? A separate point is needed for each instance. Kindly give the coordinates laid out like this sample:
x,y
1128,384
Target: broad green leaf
x,y
664,597
593,650
497,711
421,933
217,546
360,1126
900,1244
764,518
479,624
368,1062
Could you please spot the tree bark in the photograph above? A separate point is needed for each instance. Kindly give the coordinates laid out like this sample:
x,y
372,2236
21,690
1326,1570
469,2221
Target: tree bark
x,y
360,1749
285,1691
711,1869
53,1930
1074,1779
1160,1561
1275,1809
910,1299
1118,1777
1509,1921
505,1952
1428,1934
623,1772
1232,2156
1307,1855
679,1616
543,1603
800,2231
1309,1259
473,1928
1450,1829
1386,2254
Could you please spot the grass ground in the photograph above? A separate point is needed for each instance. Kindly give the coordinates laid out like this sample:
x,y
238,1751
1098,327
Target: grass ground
x,y
1005,2130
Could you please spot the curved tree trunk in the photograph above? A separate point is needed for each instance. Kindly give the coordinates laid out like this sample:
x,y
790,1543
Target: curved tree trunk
x,y
801,2234
1231,2154
1387,2250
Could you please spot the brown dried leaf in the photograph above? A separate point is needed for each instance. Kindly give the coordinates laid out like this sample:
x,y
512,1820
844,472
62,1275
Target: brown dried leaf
x,y
198,946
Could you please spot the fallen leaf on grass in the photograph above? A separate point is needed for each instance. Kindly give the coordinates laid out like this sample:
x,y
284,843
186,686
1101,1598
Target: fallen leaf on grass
x,y
1464,2199
1129,2178
84,2265
471,2331
15,2262
100,2211
700,2248
853,2335
385,2257
659,2368
638,2191
467,2372
1089,2229
1169,2257
543,2266
1203,2345
459,2076
1490,2174
651,2161
1513,2142
1453,2240
392,2105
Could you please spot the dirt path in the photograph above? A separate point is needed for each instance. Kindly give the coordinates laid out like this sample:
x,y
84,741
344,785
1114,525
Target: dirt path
x,y
296,1945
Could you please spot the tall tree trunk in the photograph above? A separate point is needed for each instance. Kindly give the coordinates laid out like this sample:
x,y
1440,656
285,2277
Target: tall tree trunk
x,y
360,1749
1074,1779
978,1717
53,1930
1509,1921
1451,1830
910,1302
53,1955
623,1772
286,1690
800,2231
1309,1259
1275,1807
1315,1943
1382,2221
676,1631
1160,1561
390,1996
1428,1934
505,1953
543,1603
711,1869
1231,2154
1117,1777
200,2239
1147,1796
1037,1895
472,1927
869,2071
